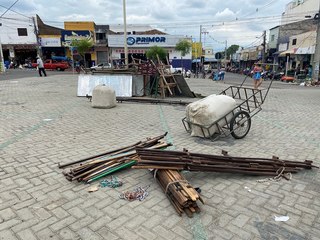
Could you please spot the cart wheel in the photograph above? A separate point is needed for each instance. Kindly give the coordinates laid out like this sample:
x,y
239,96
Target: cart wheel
x,y
240,124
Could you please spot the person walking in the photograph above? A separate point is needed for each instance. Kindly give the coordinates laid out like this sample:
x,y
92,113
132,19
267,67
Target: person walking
x,y
41,67
257,70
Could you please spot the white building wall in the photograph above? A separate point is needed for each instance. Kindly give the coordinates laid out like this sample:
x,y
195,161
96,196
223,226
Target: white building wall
x,y
296,10
273,37
9,30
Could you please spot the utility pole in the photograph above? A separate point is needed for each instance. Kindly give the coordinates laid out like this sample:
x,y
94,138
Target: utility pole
x,y
225,54
263,57
315,67
2,67
200,33
36,32
125,34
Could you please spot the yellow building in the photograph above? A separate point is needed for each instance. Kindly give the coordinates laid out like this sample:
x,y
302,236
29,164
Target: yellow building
x,y
196,50
77,31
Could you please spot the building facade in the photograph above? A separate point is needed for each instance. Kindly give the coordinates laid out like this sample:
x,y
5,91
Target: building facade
x,y
297,10
18,38
138,45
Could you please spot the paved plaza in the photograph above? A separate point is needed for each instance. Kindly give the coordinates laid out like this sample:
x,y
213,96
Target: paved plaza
x,y
44,123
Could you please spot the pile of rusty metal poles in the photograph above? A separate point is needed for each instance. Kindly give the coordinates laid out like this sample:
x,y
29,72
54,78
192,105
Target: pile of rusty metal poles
x,y
185,160
181,194
93,168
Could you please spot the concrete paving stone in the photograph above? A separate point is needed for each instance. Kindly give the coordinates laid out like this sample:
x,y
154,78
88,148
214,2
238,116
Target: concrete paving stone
x,y
105,233
242,234
43,224
137,221
222,233
42,213
7,214
25,214
119,221
306,209
125,233
223,220
7,235
47,234
24,225
67,234
80,223
101,222
308,219
60,213
27,234
72,203
164,233
152,221
182,232
63,223
86,233
240,220
145,233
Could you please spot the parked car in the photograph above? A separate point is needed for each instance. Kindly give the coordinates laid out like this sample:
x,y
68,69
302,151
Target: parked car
x,y
53,65
101,66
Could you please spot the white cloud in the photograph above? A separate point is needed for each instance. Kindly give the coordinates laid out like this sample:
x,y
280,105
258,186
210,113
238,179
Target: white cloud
x,y
173,16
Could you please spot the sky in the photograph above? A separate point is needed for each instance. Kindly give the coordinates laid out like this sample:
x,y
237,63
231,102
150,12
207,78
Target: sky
x,y
240,22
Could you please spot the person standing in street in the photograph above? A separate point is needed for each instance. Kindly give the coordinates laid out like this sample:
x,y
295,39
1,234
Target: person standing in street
x,y
257,70
41,67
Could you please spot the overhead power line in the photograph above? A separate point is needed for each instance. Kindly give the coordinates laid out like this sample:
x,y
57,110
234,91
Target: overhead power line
x,y
9,8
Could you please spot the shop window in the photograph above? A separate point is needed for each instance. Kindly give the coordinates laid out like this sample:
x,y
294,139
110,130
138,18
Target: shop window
x,y
22,32
294,41
272,38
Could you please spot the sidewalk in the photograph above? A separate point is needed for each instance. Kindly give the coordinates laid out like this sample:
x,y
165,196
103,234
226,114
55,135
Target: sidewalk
x,y
44,123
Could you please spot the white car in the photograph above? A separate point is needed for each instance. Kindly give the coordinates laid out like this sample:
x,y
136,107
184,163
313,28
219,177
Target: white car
x,y
101,66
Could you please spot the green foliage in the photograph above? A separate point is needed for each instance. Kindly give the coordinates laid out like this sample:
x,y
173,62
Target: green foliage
x,y
156,50
83,46
232,50
183,46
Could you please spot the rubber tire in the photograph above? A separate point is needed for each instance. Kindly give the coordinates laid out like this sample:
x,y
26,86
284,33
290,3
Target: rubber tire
x,y
233,123
58,69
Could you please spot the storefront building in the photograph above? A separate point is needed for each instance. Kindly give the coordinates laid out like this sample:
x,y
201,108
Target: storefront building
x,y
49,39
78,31
138,45
19,42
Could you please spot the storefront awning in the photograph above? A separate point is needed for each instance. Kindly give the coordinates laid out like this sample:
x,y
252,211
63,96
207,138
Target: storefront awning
x,y
289,51
306,50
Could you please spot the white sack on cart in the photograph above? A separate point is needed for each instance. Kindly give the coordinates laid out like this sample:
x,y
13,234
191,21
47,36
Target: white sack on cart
x,y
208,110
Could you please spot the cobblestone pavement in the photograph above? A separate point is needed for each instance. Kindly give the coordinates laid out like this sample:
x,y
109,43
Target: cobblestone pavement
x,y
44,123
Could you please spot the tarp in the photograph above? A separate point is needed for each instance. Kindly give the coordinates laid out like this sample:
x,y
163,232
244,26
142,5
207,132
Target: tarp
x,y
122,84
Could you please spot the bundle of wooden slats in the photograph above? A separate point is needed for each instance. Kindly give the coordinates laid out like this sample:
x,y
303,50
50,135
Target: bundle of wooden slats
x,y
181,194
93,168
185,160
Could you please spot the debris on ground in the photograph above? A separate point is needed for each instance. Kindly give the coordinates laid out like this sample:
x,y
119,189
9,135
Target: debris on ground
x,y
93,168
140,193
181,194
175,160
112,183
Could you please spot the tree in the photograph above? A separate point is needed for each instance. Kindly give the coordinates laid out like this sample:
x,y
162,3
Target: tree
x,y
83,46
155,51
232,50
183,46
